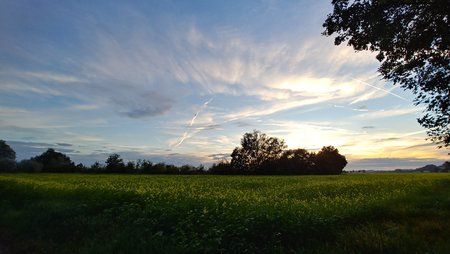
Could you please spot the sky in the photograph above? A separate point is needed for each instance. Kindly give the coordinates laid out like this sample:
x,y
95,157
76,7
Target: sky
x,y
182,81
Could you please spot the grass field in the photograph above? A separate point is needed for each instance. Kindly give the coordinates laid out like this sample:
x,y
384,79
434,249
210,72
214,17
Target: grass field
x,y
365,213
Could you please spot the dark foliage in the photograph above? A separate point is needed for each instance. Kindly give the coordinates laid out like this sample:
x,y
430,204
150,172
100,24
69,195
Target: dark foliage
x,y
30,166
329,161
256,151
260,154
53,161
6,152
115,164
8,165
446,166
297,160
412,38
221,168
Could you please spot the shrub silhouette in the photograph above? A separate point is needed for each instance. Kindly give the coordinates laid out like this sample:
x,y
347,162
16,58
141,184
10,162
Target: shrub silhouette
x,y
30,166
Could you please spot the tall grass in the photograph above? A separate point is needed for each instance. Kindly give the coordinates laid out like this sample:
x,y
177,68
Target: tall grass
x,y
70,213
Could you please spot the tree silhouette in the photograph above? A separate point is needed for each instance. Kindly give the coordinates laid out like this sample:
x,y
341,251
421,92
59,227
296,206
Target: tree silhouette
x,y
256,150
297,160
115,164
412,39
329,161
6,152
53,161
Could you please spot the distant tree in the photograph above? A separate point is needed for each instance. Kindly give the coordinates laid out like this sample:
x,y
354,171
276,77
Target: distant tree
x,y
171,169
7,157
256,150
186,169
6,152
446,166
130,167
200,169
81,168
146,167
159,168
53,161
412,38
329,161
222,167
96,167
115,164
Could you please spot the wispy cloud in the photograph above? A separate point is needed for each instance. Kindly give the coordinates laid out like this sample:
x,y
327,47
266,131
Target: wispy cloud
x,y
388,113
141,77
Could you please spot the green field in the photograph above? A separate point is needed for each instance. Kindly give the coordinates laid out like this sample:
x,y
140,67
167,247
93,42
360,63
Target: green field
x,y
365,213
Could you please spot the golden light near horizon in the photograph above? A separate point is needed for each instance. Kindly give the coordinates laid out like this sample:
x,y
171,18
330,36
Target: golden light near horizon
x,y
315,87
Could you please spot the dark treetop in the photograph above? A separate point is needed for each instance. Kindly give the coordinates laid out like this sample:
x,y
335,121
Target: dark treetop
x,y
412,38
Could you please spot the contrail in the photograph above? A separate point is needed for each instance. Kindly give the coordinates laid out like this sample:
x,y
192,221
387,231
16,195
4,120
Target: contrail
x,y
205,104
354,109
186,134
381,89
193,119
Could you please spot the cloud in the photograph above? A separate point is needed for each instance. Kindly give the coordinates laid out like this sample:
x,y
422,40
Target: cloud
x,y
85,107
189,58
219,156
156,67
391,163
64,144
9,110
21,88
144,105
26,150
386,139
53,77
388,113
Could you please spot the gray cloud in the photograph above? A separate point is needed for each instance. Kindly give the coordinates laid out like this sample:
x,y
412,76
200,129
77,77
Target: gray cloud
x,y
242,124
26,150
219,156
145,105
64,144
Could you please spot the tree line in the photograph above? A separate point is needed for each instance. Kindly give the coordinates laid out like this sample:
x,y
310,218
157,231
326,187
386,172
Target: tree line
x,y
261,154
258,154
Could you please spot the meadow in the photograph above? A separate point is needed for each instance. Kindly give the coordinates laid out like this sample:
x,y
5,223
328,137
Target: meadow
x,y
350,213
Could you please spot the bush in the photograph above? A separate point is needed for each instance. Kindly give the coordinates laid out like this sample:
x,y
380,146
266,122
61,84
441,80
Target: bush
x,y
53,161
7,165
31,166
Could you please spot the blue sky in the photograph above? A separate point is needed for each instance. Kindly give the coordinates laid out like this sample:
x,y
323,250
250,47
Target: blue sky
x,y
181,81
